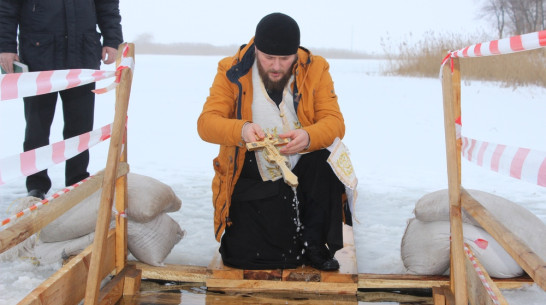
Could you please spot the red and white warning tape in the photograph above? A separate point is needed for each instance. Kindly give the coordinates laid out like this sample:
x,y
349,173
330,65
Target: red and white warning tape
x,y
43,202
520,163
33,161
126,62
474,262
19,85
508,45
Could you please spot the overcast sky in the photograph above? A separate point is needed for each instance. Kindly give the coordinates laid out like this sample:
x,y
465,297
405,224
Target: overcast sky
x,y
356,25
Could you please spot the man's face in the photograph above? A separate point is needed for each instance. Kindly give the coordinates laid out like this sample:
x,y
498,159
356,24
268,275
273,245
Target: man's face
x,y
275,70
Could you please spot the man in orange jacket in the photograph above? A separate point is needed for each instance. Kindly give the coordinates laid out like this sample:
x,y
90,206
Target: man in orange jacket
x,y
274,86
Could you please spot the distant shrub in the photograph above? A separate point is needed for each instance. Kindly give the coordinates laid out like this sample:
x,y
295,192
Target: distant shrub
x,y
423,59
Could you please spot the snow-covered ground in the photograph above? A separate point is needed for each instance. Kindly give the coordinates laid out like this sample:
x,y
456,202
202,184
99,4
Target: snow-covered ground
x,y
395,134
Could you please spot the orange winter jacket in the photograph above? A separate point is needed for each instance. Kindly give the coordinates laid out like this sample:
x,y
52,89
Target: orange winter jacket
x,y
228,107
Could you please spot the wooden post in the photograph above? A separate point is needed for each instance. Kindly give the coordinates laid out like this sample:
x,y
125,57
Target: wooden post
x,y
121,202
451,87
438,296
108,185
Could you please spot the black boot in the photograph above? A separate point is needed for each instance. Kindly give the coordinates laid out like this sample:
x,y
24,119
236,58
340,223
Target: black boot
x,y
319,257
37,193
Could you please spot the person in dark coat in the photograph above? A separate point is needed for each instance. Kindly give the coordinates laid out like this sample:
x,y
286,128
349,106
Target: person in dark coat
x,y
58,35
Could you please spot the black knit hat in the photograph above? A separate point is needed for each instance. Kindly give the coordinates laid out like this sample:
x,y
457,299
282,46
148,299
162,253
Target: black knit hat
x,y
277,34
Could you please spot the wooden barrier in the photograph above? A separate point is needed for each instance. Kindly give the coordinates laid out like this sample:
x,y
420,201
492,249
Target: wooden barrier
x,y
451,84
464,284
117,140
82,276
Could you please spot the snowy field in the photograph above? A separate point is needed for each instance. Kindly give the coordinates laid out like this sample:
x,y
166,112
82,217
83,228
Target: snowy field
x,y
395,134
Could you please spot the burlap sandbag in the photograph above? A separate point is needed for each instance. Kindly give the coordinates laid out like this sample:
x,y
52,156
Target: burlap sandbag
x,y
151,242
425,249
520,221
147,198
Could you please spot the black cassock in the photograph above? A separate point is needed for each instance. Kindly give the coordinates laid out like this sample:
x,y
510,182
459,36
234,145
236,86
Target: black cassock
x,y
264,231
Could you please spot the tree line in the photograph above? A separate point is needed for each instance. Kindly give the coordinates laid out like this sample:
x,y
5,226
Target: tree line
x,y
515,17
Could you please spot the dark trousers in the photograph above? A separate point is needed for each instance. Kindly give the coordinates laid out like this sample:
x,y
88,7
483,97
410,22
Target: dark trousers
x,y
320,194
78,113
264,232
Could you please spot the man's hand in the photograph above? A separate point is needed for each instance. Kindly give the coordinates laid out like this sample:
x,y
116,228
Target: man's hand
x,y
252,132
6,61
109,55
299,140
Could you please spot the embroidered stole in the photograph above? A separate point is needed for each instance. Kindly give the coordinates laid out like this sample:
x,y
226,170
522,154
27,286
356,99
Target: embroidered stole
x,y
273,120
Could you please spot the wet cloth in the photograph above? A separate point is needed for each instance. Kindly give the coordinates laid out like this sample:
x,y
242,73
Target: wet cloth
x,y
264,231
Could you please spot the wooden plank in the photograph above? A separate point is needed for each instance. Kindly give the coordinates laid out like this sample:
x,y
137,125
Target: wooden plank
x,y
533,264
375,297
113,290
219,270
230,285
450,297
199,274
35,221
121,194
438,296
67,286
133,278
108,186
121,222
302,274
266,275
451,87
176,273
275,299
481,292
121,219
403,281
125,283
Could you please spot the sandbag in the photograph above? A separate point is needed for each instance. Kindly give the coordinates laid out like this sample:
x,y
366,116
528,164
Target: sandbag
x,y
25,247
425,249
147,198
56,252
79,221
520,221
151,242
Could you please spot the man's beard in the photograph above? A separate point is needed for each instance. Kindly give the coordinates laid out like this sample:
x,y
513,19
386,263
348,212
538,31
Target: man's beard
x,y
271,85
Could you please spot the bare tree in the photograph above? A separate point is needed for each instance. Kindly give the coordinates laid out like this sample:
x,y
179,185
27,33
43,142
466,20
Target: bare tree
x,y
516,17
496,8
